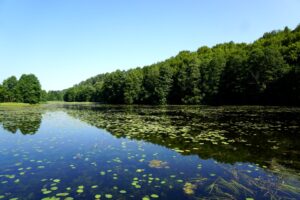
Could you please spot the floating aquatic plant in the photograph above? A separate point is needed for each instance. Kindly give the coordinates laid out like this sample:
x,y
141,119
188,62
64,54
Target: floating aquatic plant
x,y
211,135
158,164
189,188
109,196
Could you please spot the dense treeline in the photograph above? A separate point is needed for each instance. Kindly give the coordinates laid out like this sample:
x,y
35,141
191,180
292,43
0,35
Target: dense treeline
x,y
55,95
266,71
27,90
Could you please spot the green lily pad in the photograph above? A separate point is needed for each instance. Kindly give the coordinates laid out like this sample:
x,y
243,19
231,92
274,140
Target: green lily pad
x,y
79,191
62,194
154,195
109,196
54,188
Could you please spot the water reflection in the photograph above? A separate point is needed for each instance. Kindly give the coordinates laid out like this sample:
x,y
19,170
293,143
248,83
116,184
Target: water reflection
x,y
26,120
148,153
266,136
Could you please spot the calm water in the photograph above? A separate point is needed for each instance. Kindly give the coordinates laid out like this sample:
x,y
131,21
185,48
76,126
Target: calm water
x,y
177,152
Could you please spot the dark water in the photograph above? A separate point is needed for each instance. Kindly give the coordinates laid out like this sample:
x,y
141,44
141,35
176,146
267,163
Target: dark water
x,y
177,152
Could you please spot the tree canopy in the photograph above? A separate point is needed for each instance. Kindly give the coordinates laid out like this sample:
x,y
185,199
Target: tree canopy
x,y
27,89
266,71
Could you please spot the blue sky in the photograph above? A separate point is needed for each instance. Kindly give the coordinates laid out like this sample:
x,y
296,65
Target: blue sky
x,y
66,41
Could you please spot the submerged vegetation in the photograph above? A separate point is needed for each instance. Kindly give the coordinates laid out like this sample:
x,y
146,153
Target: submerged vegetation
x,y
266,71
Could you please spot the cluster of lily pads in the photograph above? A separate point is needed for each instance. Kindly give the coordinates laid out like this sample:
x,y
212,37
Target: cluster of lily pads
x,y
217,133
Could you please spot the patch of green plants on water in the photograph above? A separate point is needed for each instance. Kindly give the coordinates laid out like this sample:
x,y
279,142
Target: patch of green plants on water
x,y
150,127
158,164
226,134
27,119
184,133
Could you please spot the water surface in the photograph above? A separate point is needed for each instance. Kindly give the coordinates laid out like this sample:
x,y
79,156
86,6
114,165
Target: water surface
x,y
71,151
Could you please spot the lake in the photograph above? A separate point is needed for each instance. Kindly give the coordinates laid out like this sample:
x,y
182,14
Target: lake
x,y
94,151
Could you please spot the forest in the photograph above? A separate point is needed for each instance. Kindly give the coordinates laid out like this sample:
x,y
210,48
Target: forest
x,y
265,72
26,90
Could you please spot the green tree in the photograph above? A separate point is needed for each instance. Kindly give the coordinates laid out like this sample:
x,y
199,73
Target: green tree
x,y
85,93
150,82
211,68
293,53
113,87
133,81
227,73
43,97
70,95
55,95
98,91
165,82
264,66
181,66
234,79
2,93
186,81
10,85
29,88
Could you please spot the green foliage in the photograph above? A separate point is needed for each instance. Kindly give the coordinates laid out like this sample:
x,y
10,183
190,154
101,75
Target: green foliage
x,y
10,86
150,82
233,82
113,87
27,90
43,96
265,65
258,73
2,93
133,86
55,95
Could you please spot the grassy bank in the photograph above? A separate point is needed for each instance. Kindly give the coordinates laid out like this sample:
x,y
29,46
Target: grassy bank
x,y
14,104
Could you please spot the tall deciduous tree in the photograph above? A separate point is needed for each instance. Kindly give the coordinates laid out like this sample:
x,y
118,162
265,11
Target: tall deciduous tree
x,y
29,88
10,85
2,93
133,81
113,88
265,65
